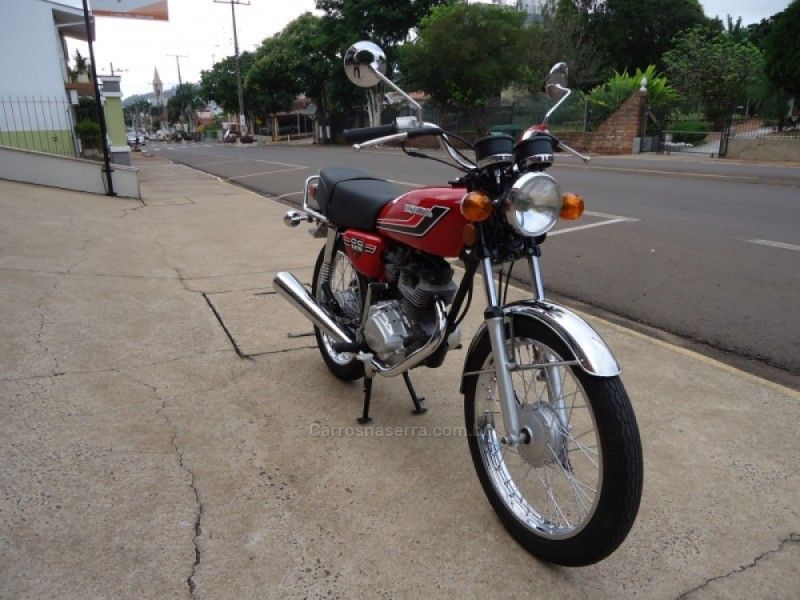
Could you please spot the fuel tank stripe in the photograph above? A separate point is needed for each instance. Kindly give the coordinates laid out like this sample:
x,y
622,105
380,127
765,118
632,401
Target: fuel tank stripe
x,y
421,228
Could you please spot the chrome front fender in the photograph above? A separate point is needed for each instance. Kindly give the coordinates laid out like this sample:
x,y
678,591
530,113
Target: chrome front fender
x,y
586,345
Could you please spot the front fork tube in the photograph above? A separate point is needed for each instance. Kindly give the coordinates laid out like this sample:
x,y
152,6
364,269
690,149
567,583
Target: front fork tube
x,y
495,325
552,374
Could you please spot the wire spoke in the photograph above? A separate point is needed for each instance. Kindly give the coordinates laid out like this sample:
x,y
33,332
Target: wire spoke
x,y
557,499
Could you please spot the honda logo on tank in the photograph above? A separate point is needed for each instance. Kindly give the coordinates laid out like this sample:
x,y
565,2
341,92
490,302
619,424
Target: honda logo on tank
x,y
131,9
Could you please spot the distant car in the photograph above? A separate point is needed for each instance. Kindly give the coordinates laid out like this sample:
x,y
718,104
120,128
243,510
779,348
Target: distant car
x,y
231,137
135,139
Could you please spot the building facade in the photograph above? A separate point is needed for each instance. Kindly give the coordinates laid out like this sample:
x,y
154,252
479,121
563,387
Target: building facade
x,y
35,106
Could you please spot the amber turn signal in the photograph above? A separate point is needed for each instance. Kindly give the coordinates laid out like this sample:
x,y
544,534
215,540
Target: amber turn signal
x,y
476,207
571,206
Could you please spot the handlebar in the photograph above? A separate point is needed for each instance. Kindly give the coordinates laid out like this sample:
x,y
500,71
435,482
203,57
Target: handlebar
x,y
362,134
423,131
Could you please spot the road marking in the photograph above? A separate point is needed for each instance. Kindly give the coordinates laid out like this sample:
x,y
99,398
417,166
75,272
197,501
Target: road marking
x,y
691,354
590,225
219,162
408,183
263,173
289,194
659,172
592,213
775,244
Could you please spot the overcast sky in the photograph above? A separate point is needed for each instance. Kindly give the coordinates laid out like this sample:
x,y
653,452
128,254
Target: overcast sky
x,y
202,31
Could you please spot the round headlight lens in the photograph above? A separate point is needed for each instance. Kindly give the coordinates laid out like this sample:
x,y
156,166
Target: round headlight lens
x,y
533,204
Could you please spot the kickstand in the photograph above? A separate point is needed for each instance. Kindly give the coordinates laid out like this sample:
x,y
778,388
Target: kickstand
x,y
418,408
365,418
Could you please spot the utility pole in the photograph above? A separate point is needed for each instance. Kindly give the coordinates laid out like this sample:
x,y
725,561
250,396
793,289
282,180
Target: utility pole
x,y
233,4
101,115
178,58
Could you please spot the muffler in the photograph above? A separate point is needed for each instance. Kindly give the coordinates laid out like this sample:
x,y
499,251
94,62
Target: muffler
x,y
297,295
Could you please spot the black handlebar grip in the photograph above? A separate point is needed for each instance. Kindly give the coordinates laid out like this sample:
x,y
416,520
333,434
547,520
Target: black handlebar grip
x,y
421,131
354,136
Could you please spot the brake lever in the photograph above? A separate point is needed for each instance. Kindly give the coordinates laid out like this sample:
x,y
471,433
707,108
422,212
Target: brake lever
x,y
381,140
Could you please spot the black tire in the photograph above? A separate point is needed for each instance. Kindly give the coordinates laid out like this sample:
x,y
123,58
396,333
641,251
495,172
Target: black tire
x,y
352,369
615,503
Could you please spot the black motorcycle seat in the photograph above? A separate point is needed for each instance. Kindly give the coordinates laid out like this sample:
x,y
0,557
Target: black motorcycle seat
x,y
351,198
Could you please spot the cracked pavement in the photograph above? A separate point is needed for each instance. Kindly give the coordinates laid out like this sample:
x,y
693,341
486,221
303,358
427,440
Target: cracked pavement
x,y
157,431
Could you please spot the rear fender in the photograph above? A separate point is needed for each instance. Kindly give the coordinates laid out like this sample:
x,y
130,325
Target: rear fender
x,y
585,344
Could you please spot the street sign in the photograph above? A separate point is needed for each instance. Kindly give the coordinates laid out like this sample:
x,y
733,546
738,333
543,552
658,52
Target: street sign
x,y
131,9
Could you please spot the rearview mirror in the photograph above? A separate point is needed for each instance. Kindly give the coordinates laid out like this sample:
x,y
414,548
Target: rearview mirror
x,y
361,61
556,83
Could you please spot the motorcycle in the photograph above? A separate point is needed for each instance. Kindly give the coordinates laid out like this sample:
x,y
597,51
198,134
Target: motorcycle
x,y
550,428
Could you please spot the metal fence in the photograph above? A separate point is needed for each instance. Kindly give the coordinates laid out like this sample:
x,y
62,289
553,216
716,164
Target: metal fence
x,y
578,113
759,128
512,116
43,124
697,135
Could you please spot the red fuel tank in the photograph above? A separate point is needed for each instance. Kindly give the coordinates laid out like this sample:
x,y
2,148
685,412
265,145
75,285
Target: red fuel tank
x,y
428,219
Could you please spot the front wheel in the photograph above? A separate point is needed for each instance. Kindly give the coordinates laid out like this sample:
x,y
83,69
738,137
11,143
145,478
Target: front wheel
x,y
571,493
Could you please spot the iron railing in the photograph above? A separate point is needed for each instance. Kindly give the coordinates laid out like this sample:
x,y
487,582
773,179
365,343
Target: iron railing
x,y
39,123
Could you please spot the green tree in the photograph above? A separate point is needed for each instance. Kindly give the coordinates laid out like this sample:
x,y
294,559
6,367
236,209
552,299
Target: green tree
x,y
452,62
385,23
713,71
299,59
388,24
782,50
563,34
81,66
219,83
132,111
184,103
636,33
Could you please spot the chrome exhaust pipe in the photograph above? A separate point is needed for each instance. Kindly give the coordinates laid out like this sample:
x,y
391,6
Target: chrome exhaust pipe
x,y
297,295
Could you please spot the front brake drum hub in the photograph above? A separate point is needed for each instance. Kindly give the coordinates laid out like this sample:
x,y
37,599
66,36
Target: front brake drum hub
x,y
544,425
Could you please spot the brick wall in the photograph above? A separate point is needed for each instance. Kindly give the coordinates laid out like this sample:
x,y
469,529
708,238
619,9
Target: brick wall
x,y
616,134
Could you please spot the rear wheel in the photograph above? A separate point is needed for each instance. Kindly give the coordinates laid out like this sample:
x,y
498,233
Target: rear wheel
x,y
570,495
347,289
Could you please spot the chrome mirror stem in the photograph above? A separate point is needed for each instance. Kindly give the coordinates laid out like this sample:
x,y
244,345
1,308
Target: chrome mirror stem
x,y
414,104
567,94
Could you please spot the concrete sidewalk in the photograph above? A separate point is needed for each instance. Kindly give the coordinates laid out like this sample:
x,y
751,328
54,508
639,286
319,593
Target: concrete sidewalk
x,y
162,437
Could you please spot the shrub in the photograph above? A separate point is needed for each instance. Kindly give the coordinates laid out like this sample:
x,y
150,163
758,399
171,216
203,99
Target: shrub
x,y
689,131
89,133
660,95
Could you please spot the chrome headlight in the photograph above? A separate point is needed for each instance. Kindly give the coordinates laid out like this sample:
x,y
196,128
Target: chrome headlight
x,y
533,204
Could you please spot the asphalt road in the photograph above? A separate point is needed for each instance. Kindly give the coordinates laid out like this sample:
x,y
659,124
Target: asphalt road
x,y
701,249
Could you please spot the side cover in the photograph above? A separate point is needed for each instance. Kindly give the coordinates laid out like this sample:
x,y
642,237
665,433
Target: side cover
x,y
365,251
